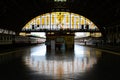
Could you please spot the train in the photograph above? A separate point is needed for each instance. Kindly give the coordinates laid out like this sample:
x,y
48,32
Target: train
x,y
6,40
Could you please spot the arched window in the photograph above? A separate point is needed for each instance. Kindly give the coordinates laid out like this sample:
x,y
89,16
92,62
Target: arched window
x,y
61,20
58,20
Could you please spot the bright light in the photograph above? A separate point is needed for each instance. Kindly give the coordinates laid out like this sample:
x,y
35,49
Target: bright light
x,y
81,34
39,34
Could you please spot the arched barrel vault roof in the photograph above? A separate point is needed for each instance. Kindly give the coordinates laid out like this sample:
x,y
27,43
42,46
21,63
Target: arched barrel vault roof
x,y
14,14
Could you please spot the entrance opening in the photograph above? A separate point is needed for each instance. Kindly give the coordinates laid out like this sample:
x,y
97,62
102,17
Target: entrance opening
x,y
70,26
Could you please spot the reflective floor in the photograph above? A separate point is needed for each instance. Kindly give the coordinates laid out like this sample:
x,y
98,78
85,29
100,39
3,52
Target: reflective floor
x,y
82,63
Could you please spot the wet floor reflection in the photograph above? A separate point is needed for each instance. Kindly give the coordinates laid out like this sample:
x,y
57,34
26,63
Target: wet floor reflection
x,y
62,64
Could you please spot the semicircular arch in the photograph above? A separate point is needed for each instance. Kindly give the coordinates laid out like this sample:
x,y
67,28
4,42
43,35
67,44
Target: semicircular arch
x,y
60,20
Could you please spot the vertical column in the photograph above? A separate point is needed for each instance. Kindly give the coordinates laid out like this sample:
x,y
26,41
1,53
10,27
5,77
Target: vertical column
x,y
65,22
50,21
74,26
85,23
35,23
80,22
45,22
55,22
77,22
70,22
40,22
